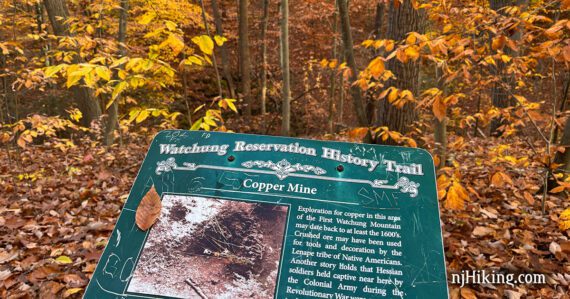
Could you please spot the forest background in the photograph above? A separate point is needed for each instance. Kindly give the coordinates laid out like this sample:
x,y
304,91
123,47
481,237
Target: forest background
x,y
483,85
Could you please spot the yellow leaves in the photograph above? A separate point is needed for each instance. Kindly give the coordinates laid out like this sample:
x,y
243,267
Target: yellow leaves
x,y
456,197
147,18
389,45
210,120
50,71
174,42
383,133
443,182
75,114
500,179
411,39
170,25
505,58
220,40
193,60
453,191
490,60
63,260
412,52
376,67
142,116
205,44
377,44
393,94
89,29
119,88
103,73
564,221
228,103
148,210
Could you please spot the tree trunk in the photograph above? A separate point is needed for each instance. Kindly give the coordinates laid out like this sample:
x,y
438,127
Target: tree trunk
x,y
402,19
379,20
564,158
349,55
286,109
333,76
86,101
244,58
264,22
113,113
214,61
223,49
500,95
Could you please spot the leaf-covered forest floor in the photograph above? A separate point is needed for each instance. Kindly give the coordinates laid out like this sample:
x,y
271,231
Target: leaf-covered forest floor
x,y
56,217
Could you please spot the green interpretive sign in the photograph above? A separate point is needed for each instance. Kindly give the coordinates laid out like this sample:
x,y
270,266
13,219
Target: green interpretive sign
x,y
247,216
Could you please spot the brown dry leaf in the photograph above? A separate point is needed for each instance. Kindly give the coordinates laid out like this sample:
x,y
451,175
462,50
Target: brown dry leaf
x,y
49,289
500,179
481,231
467,293
148,210
439,109
529,198
74,280
72,291
510,294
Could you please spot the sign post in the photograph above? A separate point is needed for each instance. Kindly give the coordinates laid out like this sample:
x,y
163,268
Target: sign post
x,y
246,216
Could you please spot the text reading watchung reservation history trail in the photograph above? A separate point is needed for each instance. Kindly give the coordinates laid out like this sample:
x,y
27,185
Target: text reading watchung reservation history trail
x,y
294,148
339,253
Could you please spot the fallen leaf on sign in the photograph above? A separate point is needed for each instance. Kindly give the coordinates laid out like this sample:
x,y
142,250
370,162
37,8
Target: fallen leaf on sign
x,y
148,210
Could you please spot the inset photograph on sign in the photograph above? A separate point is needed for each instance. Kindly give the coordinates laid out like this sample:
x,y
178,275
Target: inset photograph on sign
x,y
212,248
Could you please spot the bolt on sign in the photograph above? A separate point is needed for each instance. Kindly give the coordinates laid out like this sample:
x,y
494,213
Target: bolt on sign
x,y
217,215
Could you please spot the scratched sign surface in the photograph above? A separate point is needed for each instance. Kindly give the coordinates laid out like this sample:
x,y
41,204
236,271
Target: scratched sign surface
x,y
246,216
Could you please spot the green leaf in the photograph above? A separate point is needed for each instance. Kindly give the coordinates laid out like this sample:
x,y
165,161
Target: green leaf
x,y
205,44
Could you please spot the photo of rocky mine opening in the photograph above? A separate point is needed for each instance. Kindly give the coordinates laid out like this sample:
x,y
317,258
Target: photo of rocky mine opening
x,y
212,248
